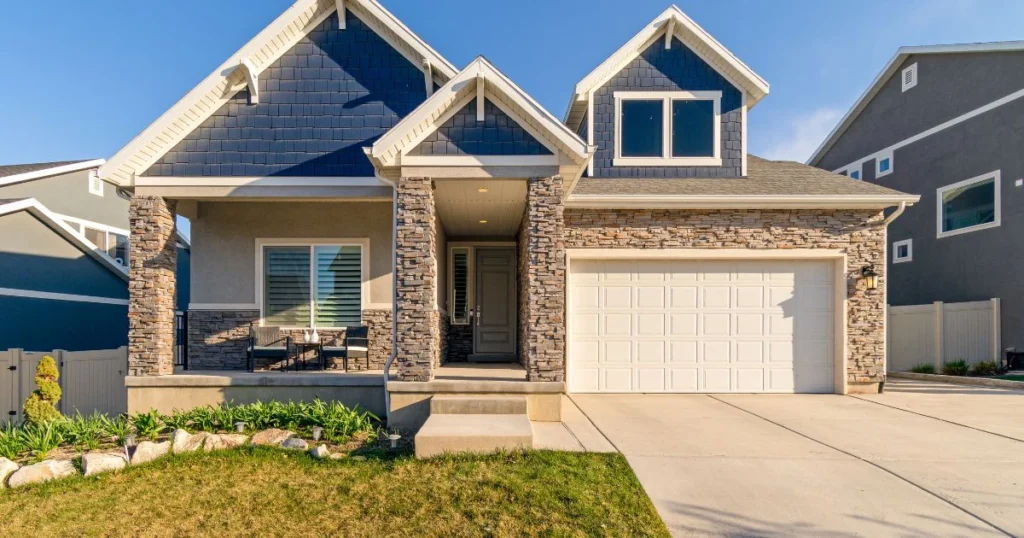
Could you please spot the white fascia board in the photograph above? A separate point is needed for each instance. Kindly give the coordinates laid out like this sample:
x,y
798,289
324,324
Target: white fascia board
x,y
480,160
593,201
888,71
271,181
58,225
54,171
673,18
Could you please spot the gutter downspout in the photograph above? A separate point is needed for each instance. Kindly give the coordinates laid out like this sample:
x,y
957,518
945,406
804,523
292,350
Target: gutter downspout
x,y
896,214
394,282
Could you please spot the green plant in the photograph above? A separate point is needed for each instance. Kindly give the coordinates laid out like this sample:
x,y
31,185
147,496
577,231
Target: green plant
x,y
176,421
39,439
923,368
148,424
84,432
117,428
201,419
41,405
957,367
984,368
10,441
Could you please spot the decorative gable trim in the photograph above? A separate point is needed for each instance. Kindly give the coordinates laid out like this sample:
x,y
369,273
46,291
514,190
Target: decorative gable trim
x,y
671,23
479,80
49,172
242,70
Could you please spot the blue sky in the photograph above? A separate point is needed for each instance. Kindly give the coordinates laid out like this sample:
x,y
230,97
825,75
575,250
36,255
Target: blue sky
x,y
83,78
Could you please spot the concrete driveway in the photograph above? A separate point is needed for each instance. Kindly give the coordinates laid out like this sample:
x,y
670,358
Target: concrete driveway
x,y
919,460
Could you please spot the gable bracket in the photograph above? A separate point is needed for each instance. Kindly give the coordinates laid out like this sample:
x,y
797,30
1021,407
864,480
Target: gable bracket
x,y
669,32
341,13
428,75
252,79
480,97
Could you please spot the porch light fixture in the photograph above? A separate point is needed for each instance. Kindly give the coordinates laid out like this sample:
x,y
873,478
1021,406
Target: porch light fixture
x,y
482,189
394,437
129,446
318,432
870,277
239,427
483,221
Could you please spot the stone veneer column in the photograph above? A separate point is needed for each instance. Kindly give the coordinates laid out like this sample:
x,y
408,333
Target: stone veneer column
x,y
544,246
153,260
416,318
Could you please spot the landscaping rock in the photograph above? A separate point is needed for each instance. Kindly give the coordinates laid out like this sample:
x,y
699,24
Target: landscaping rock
x,y
295,443
7,468
185,442
43,471
320,452
271,437
224,440
148,451
95,463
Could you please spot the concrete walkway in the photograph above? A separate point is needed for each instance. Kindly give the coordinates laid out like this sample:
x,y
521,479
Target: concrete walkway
x,y
783,465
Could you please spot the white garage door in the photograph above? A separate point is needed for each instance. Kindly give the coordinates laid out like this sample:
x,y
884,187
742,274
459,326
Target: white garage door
x,y
701,326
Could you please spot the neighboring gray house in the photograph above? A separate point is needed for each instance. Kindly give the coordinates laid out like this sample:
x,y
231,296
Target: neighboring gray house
x,y
339,172
946,122
63,257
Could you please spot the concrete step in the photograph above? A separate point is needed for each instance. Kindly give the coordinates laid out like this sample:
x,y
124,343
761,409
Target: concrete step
x,y
459,404
473,433
492,357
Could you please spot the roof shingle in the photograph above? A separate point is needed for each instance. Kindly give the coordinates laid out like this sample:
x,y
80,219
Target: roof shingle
x,y
15,169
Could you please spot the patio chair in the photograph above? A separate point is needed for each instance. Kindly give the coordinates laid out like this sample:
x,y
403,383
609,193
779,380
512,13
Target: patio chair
x,y
267,343
356,344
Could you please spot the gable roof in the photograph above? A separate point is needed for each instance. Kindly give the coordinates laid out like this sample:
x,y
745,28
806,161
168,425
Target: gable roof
x,y
19,173
769,184
243,68
459,91
55,223
693,36
889,70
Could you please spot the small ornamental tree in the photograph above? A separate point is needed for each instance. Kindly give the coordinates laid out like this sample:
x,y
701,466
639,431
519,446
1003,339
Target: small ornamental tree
x,y
41,405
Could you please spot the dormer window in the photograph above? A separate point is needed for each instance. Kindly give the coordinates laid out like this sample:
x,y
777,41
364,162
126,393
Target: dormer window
x,y
667,128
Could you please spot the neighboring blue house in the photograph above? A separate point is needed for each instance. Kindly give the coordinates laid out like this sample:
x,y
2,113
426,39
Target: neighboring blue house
x,y
64,258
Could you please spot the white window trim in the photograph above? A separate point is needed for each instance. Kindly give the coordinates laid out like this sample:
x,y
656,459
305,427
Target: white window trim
x,y
859,170
666,125
909,243
912,68
469,283
95,183
364,270
996,175
878,165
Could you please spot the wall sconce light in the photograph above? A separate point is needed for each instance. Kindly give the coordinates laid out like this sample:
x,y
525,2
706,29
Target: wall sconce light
x,y
870,277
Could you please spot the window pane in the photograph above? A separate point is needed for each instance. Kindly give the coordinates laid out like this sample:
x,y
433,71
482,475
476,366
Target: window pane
x,y
97,237
338,286
118,248
642,123
460,284
902,251
883,165
286,286
693,128
969,206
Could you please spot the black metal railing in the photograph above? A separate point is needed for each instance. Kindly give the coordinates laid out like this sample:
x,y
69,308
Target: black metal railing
x,y
181,340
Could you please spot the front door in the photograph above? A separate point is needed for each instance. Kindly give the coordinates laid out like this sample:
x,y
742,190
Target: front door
x,y
495,323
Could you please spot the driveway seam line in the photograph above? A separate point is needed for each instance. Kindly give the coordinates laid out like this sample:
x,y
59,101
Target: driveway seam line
x,y
968,426
871,463
594,424
573,434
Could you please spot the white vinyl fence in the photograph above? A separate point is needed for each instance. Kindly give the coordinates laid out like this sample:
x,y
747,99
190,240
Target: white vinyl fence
x,y
940,332
90,380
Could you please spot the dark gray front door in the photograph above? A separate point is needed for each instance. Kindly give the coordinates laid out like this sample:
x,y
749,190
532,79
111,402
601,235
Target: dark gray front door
x,y
495,324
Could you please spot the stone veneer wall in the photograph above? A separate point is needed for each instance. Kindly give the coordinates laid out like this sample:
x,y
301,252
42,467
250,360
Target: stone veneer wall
x,y
153,260
418,320
218,339
460,343
855,232
542,245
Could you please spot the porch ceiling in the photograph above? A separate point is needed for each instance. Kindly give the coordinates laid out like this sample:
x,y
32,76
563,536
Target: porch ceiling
x,y
461,206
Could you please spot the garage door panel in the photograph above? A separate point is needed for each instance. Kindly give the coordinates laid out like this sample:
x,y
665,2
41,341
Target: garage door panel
x,y
702,326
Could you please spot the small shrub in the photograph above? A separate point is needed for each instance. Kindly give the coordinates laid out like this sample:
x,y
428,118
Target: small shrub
x,y
148,424
83,432
957,367
39,439
117,428
175,421
984,368
923,368
41,405
10,442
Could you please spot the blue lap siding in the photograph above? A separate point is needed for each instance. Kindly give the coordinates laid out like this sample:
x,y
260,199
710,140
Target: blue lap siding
x,y
498,134
676,69
331,95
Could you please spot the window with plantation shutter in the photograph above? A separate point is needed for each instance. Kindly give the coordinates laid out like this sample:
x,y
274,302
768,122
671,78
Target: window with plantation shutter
x,y
312,285
460,286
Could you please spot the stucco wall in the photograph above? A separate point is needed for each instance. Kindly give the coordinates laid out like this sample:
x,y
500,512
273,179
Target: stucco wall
x,y
854,232
68,194
224,243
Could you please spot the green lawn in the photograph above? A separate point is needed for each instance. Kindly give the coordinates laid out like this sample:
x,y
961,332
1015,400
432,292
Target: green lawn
x,y
262,491
1011,377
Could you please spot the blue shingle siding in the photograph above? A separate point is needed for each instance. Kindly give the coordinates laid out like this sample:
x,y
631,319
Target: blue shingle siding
x,y
334,93
676,69
498,134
